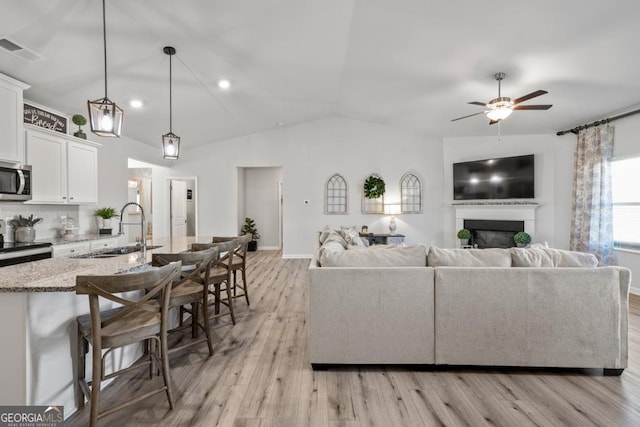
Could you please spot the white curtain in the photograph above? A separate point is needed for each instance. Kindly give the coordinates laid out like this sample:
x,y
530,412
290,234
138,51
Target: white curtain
x,y
592,213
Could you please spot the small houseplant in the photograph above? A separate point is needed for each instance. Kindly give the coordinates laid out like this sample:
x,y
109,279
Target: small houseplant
x,y
79,120
104,216
464,235
249,227
24,231
522,239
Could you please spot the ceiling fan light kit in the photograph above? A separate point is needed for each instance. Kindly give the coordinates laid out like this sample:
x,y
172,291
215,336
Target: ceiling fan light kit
x,y
170,141
105,117
501,107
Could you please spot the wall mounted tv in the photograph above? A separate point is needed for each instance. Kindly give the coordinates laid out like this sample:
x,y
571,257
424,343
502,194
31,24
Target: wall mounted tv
x,y
501,178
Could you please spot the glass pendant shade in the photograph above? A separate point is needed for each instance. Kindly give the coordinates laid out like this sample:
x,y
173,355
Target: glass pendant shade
x,y
170,146
499,113
105,117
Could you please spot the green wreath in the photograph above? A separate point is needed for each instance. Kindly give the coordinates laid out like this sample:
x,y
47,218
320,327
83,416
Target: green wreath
x,y
374,187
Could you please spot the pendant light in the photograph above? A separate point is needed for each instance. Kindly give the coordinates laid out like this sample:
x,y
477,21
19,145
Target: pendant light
x,y
105,116
170,141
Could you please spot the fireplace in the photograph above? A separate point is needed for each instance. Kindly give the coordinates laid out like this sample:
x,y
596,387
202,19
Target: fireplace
x,y
493,233
498,221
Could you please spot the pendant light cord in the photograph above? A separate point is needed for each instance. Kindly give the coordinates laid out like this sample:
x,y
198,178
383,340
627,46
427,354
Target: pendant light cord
x,y
104,39
170,98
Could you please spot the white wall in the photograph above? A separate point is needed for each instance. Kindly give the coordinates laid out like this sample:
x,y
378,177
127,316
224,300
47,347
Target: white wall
x,y
553,179
309,153
261,202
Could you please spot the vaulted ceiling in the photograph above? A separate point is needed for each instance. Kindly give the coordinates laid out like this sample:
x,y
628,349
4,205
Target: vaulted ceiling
x,y
413,64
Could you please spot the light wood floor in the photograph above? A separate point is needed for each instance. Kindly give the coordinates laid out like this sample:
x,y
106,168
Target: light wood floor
x,y
260,376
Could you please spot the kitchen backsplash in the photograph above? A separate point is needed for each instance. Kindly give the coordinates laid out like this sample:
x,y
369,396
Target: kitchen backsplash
x,y
51,215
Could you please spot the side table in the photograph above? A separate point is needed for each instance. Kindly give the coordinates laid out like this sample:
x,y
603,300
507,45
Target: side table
x,y
383,239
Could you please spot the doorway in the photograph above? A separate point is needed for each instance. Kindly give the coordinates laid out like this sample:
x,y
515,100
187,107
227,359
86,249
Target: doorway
x,y
182,200
260,198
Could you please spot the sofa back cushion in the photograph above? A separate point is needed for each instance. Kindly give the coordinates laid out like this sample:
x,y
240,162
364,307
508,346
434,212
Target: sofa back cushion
x,y
468,257
548,257
405,256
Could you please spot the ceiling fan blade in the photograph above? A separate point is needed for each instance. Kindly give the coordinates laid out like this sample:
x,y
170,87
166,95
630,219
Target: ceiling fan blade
x,y
532,107
529,96
493,122
482,104
470,115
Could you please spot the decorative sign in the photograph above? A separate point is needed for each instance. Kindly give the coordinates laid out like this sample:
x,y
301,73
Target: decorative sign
x,y
189,194
44,119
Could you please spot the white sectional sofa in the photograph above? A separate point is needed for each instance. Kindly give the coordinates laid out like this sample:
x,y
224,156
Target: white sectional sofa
x,y
466,307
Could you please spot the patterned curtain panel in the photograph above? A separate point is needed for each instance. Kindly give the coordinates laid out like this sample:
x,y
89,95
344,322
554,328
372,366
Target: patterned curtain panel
x,y
591,219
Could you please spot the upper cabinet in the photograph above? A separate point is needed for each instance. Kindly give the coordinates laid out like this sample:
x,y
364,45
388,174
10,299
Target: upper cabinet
x,y
64,168
11,105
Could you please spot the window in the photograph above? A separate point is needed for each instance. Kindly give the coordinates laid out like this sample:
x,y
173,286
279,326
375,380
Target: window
x,y
410,194
626,202
335,201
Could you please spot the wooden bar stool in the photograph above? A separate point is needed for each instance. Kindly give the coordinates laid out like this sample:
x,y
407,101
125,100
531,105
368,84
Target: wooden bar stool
x,y
191,289
141,318
239,264
220,276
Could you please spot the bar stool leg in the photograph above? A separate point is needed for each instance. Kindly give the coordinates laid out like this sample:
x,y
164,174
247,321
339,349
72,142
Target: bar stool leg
x,y
81,354
95,384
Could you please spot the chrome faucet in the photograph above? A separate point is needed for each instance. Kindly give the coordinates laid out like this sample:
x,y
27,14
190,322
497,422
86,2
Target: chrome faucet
x,y
143,228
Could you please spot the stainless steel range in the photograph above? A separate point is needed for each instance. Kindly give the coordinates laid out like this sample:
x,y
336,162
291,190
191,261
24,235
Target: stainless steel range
x,y
16,253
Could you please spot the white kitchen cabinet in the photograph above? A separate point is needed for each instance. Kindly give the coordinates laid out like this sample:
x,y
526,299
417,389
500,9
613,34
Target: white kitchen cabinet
x,y
11,117
64,169
71,249
100,244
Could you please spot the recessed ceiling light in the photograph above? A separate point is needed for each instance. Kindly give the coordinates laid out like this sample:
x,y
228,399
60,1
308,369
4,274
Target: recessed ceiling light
x,y
224,84
135,103
280,124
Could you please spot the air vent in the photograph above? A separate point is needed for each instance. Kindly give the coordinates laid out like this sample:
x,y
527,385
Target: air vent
x,y
19,51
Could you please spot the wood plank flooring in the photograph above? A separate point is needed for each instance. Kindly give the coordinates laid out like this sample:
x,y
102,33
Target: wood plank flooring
x,y
260,376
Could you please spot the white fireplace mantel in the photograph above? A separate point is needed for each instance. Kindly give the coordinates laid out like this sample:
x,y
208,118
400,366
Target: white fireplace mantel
x,y
518,211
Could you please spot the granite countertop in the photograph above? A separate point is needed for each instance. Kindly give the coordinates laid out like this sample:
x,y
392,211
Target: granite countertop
x,y
59,274
80,238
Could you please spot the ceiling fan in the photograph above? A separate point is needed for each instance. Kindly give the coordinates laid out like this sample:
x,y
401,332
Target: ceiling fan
x,y
501,107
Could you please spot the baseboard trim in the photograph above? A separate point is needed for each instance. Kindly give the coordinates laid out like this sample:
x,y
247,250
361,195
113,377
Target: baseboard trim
x,y
297,256
268,248
635,291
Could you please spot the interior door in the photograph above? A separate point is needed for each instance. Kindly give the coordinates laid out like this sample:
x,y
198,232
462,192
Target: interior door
x,y
178,208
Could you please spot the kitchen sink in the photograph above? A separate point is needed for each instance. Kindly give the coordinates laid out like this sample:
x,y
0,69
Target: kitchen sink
x,y
126,250
114,252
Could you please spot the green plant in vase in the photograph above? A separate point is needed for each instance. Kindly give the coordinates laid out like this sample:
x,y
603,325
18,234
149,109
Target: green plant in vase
x,y
249,227
522,239
464,235
104,216
79,120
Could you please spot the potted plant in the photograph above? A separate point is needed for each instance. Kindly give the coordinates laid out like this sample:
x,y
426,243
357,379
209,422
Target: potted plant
x,y
80,120
249,227
24,231
104,216
522,239
464,235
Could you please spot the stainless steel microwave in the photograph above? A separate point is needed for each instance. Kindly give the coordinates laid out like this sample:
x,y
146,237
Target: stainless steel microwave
x,y
15,181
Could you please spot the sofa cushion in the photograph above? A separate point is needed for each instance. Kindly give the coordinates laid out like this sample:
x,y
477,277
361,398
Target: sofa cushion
x,y
468,257
548,257
406,256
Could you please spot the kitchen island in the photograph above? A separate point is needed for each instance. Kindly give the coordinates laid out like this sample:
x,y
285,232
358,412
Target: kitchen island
x,y
38,307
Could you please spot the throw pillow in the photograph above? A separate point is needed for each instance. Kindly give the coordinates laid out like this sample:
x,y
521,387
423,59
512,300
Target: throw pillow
x,y
468,257
407,256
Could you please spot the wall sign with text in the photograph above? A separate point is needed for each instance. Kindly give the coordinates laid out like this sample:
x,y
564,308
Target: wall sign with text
x,y
45,119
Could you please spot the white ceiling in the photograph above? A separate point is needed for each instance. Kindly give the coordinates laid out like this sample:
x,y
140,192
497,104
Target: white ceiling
x,y
408,63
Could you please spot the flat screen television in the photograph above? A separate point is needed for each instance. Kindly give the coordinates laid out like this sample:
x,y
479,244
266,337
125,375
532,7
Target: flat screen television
x,y
501,178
